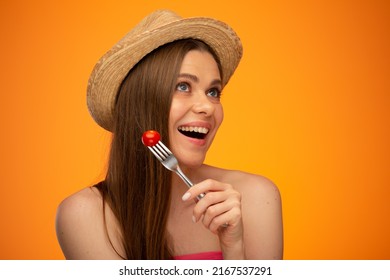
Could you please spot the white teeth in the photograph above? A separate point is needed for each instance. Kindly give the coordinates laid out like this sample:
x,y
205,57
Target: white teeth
x,y
194,129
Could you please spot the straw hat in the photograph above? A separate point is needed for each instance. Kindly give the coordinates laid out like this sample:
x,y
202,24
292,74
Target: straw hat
x,y
157,29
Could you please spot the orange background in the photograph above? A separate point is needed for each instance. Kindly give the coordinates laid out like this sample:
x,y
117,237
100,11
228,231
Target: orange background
x,y
308,107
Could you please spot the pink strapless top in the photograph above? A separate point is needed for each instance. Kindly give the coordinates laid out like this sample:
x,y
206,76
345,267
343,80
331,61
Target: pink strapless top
x,y
215,255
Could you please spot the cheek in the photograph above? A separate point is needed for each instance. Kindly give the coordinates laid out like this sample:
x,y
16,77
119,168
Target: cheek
x,y
175,113
219,115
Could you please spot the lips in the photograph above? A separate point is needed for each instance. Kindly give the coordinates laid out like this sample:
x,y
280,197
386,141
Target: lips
x,y
197,132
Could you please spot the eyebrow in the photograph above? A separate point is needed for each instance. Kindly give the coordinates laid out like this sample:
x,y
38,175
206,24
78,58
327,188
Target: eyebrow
x,y
196,79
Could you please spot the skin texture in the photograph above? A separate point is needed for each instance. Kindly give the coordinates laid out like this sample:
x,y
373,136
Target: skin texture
x,y
250,204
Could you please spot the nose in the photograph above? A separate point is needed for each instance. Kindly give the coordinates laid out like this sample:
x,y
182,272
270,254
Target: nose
x,y
203,105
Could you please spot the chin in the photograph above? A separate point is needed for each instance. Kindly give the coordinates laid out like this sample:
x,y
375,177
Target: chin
x,y
191,161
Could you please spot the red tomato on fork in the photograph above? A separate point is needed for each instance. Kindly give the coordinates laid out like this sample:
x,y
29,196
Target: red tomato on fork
x,y
150,138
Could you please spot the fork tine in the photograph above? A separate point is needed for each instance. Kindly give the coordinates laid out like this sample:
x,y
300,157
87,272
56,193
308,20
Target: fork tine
x,y
156,154
161,151
162,154
165,148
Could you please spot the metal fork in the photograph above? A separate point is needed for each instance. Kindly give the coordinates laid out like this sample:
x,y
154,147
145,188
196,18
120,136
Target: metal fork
x,y
166,157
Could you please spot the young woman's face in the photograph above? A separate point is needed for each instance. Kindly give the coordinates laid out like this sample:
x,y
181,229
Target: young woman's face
x,y
196,112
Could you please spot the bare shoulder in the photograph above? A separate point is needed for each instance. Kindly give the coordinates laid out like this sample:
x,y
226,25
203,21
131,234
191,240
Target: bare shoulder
x,y
85,202
81,229
255,187
261,211
251,186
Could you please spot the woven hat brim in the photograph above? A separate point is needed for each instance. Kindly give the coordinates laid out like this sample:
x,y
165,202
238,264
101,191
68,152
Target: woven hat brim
x,y
112,68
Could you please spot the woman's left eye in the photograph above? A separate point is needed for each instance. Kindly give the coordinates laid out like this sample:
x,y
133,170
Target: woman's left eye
x,y
215,93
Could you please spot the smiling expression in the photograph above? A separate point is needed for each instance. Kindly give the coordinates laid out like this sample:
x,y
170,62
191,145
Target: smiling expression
x,y
196,112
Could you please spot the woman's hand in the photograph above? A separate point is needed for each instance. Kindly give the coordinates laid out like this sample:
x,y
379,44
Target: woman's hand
x,y
220,211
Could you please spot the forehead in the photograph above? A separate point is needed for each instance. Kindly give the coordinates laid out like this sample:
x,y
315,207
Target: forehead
x,y
200,63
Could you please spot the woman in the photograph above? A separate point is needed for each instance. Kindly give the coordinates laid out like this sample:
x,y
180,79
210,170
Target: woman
x,y
167,74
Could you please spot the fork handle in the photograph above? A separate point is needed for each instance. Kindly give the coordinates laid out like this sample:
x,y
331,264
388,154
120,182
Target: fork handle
x,y
188,182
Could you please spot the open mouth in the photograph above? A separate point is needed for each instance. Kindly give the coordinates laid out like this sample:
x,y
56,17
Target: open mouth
x,y
194,131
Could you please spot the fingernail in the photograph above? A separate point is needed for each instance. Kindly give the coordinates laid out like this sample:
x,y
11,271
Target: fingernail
x,y
186,196
194,219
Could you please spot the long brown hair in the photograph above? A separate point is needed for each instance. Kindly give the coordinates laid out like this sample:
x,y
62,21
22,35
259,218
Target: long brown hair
x,y
137,187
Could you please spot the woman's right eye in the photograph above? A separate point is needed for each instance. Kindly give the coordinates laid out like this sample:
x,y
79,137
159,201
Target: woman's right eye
x,y
182,87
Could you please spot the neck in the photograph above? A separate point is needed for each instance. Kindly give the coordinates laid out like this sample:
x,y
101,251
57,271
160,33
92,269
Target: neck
x,y
178,185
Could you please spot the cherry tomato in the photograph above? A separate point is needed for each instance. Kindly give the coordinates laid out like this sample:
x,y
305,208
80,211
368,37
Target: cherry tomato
x,y
150,138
